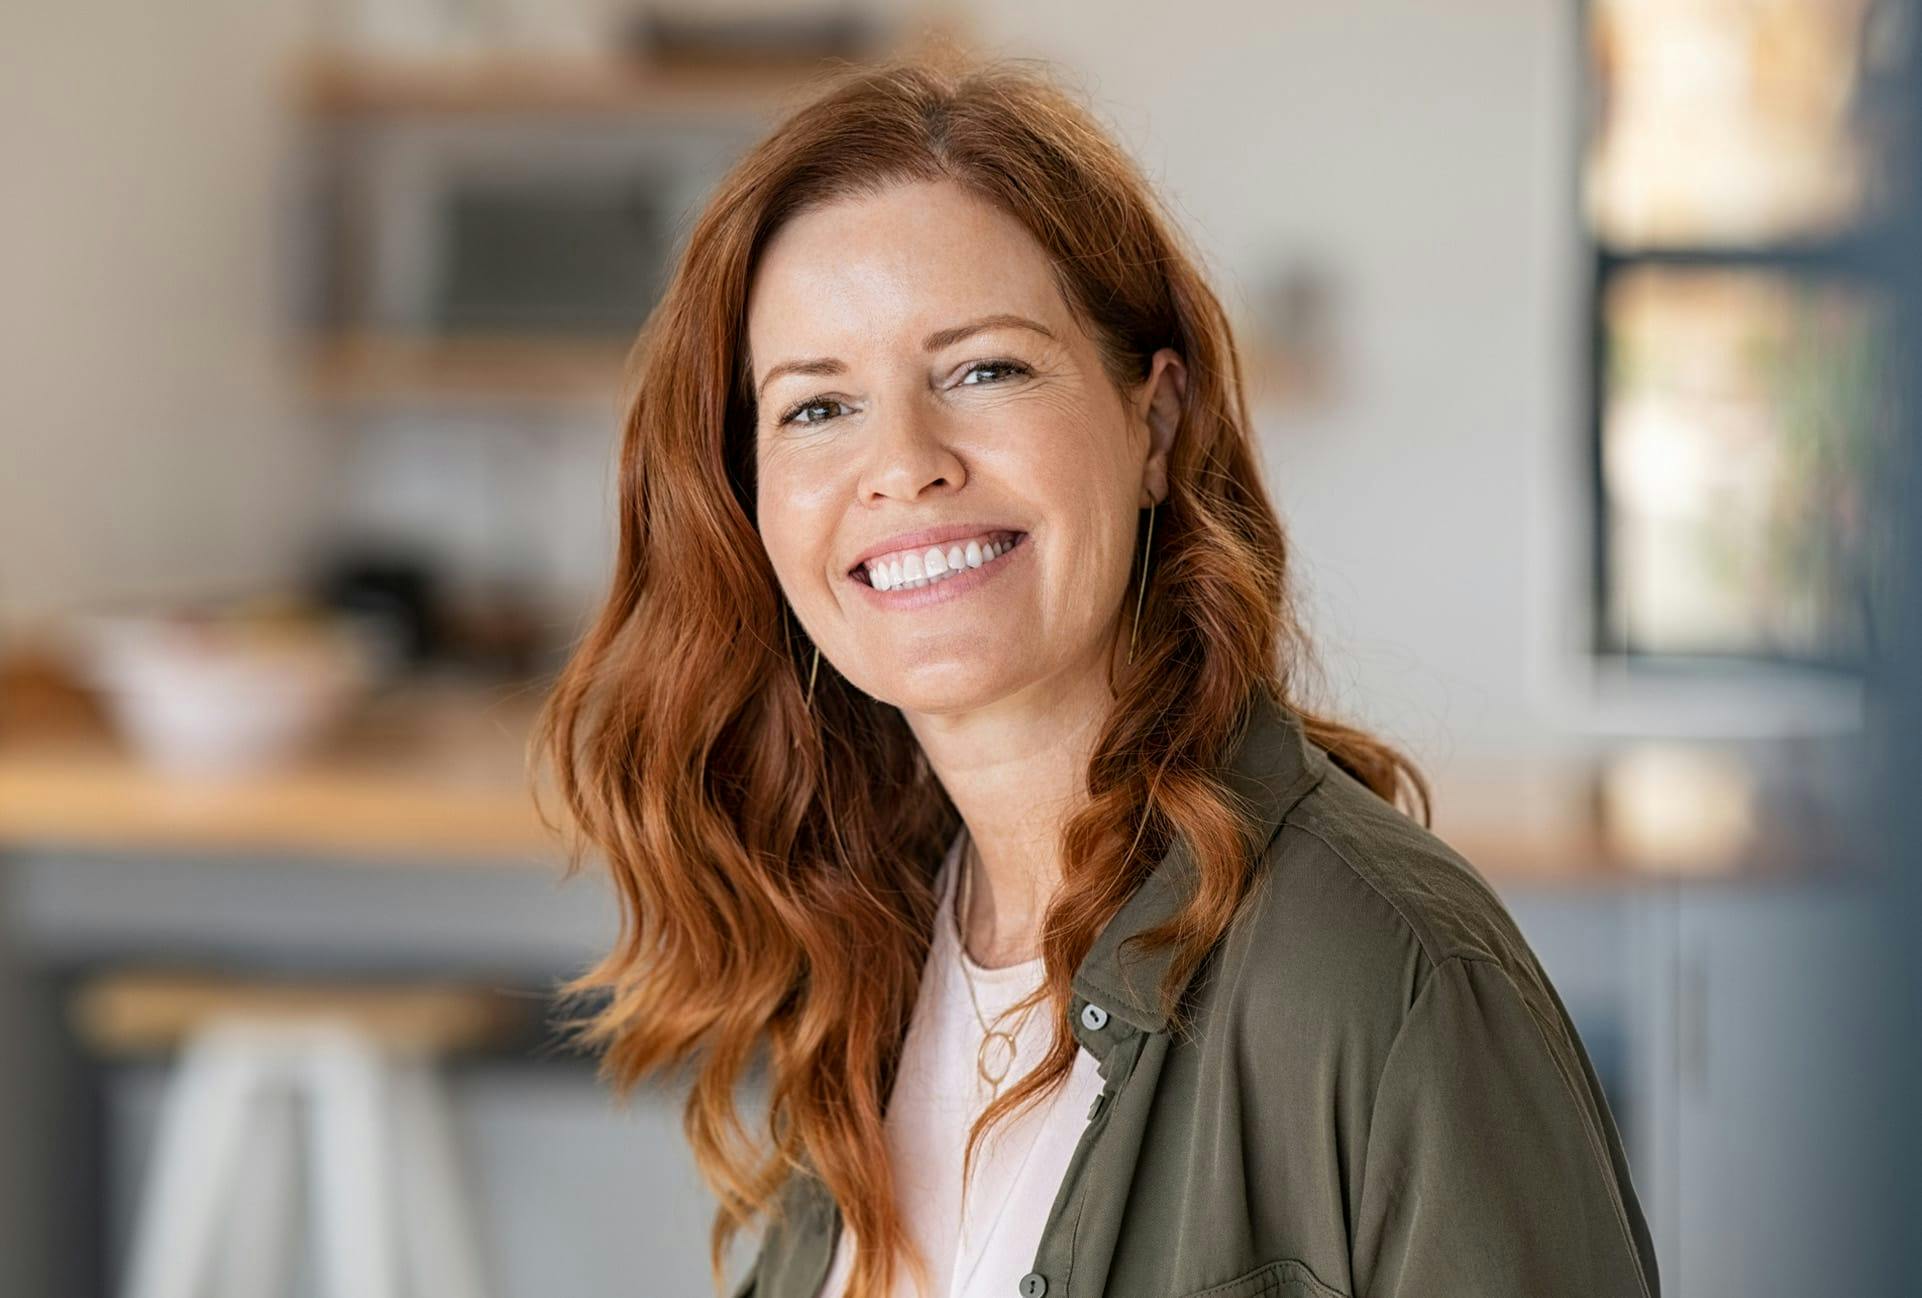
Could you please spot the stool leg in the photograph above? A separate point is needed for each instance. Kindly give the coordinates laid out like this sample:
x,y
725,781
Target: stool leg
x,y
260,1228
442,1245
197,1153
354,1200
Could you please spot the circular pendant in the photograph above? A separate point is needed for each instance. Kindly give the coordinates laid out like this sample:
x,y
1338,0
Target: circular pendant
x,y
995,1056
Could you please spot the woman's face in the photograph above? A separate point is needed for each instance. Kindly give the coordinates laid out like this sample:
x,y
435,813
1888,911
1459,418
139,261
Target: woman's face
x,y
925,398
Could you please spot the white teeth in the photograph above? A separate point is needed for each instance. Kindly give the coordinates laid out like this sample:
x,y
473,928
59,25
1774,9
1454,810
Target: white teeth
x,y
917,568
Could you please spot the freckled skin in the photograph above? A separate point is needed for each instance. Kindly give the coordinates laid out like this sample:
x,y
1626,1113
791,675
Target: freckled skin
x,y
905,438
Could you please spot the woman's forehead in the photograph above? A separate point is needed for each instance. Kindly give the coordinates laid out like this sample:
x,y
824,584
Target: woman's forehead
x,y
896,266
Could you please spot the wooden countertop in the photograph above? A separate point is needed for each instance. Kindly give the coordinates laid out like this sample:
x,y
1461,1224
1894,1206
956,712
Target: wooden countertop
x,y
424,771
437,772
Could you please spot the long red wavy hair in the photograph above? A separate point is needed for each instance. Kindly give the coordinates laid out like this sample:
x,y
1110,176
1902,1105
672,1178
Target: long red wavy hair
x,y
775,863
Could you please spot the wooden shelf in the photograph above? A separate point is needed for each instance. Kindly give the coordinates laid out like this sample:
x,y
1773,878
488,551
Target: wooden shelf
x,y
729,83
349,368
346,86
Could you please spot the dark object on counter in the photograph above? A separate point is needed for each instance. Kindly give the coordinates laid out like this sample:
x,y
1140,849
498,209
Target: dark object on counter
x,y
398,589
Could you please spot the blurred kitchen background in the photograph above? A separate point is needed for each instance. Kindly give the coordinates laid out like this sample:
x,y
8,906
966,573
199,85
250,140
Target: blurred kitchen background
x,y
1573,334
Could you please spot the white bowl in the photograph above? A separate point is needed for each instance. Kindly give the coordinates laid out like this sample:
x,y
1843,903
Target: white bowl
x,y
209,697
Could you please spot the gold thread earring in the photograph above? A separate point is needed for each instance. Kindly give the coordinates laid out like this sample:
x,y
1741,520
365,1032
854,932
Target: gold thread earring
x,y
807,699
1146,541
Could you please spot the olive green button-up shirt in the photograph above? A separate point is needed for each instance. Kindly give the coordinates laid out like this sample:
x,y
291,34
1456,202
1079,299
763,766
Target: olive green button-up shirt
x,y
1380,1094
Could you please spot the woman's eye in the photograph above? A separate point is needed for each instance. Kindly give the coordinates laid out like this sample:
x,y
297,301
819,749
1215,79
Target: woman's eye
x,y
999,370
794,413
1012,367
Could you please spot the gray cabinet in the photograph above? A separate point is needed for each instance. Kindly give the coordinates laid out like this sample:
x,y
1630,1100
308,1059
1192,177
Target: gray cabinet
x,y
1740,1029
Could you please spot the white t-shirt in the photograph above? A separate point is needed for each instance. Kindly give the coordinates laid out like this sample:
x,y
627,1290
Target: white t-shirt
x,y
938,1093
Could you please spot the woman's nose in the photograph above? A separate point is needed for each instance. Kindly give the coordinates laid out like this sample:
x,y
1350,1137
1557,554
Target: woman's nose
x,y
909,452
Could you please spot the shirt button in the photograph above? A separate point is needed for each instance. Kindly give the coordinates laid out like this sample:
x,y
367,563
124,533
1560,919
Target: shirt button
x,y
1033,1285
1093,1017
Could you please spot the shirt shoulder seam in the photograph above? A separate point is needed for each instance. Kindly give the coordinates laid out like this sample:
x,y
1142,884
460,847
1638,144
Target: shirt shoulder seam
x,y
1422,933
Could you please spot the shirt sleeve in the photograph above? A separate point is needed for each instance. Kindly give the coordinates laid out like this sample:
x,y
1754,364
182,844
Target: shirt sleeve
x,y
1493,1166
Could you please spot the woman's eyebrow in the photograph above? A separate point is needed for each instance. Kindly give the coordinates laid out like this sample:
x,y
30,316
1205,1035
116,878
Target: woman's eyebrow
x,y
1002,320
934,342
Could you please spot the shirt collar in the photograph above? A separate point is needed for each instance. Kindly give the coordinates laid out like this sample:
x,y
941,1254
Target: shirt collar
x,y
1271,766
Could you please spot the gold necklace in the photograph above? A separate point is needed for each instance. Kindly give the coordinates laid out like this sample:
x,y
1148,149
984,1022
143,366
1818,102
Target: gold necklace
x,y
995,1041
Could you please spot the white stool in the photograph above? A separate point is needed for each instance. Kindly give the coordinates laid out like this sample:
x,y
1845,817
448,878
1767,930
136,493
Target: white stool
x,y
216,1214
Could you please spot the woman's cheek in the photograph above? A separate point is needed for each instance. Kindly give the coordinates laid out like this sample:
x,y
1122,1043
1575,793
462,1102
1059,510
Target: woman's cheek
x,y
800,544
783,530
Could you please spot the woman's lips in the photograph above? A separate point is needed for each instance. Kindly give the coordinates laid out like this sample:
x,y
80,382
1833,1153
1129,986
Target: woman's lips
x,y
960,583
934,560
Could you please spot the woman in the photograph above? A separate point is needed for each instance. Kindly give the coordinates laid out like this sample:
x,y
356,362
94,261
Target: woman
x,y
942,733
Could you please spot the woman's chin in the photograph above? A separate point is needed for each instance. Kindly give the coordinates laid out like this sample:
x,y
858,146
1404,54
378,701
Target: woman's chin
x,y
953,690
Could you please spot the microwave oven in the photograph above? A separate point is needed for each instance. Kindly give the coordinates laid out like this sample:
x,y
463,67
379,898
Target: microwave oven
x,y
440,226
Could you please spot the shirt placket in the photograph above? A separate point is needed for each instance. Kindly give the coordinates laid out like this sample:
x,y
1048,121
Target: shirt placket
x,y
1118,1045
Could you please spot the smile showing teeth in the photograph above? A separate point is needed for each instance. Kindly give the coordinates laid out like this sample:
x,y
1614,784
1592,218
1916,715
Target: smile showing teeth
x,y
911,569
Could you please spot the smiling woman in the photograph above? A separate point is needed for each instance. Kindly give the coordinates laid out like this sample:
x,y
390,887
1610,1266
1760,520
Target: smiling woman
x,y
949,673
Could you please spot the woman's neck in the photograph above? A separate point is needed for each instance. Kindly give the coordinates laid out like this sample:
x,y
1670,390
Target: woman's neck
x,y
1015,770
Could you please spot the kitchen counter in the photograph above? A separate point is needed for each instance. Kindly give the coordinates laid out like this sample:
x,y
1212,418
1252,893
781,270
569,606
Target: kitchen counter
x,y
430,770
435,770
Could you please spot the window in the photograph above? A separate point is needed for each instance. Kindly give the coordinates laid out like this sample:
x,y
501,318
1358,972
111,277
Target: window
x,y
1737,208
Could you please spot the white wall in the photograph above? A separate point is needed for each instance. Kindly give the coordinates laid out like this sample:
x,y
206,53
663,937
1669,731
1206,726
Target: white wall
x,y
148,444
1426,154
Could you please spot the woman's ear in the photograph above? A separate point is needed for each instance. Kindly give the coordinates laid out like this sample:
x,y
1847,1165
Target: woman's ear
x,y
1160,405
